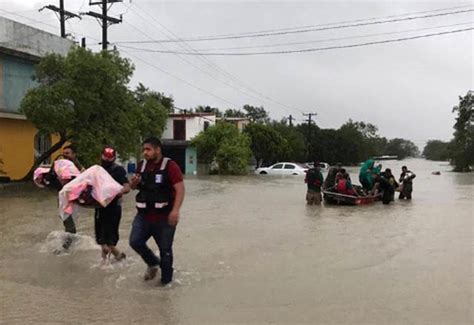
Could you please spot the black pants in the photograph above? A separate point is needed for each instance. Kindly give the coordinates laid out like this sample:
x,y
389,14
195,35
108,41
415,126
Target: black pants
x,y
107,222
69,225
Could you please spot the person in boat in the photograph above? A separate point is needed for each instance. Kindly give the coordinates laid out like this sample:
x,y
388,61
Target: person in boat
x,y
406,179
331,177
344,185
368,175
314,180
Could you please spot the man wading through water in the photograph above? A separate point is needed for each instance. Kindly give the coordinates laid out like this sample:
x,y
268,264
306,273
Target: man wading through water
x,y
161,193
107,220
69,153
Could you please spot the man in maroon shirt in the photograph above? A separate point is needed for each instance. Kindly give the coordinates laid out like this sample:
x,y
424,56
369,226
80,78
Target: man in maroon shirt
x,y
161,193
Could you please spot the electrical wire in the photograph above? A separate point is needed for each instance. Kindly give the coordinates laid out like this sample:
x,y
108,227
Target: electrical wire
x,y
304,50
298,31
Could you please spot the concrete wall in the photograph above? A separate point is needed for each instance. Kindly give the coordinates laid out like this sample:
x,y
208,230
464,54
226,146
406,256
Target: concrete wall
x,y
194,125
30,41
15,80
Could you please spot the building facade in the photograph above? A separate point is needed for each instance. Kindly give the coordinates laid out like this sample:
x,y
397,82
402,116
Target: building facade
x,y
21,48
180,130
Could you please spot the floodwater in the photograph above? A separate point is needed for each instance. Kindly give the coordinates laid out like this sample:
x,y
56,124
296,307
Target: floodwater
x,y
248,250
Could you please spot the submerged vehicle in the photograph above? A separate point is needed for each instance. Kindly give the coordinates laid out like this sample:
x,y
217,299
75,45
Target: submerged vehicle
x,y
282,168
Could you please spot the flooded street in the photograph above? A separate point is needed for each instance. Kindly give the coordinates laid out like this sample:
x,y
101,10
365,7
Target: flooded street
x,y
248,250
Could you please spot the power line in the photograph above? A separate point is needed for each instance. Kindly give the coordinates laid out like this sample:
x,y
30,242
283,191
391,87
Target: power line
x,y
63,15
332,39
38,29
30,19
303,30
218,68
305,50
191,63
180,79
345,22
104,19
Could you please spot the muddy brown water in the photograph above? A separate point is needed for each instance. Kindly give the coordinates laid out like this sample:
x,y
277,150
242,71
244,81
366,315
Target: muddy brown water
x,y
249,251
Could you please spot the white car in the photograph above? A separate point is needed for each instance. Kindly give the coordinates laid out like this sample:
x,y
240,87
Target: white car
x,y
322,165
282,168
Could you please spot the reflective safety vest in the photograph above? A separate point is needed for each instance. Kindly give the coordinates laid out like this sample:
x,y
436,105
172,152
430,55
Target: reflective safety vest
x,y
155,191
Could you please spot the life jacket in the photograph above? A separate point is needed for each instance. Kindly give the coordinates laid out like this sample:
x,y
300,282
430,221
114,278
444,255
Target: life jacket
x,y
155,190
342,185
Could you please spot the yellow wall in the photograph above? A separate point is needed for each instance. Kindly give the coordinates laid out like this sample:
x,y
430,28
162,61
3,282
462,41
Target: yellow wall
x,y
17,146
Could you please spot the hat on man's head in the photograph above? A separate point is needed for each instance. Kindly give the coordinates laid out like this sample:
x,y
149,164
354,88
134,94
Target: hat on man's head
x,y
109,152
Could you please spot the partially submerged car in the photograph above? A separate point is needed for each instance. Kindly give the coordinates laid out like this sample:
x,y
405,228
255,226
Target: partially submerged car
x,y
283,168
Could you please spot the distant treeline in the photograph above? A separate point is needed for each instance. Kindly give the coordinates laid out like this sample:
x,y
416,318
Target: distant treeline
x,y
460,150
271,141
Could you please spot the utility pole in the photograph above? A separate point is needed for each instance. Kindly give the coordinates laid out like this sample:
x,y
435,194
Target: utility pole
x,y
63,16
310,115
290,118
308,135
103,19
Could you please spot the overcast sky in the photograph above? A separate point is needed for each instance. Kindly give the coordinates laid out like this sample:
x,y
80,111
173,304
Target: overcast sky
x,y
406,88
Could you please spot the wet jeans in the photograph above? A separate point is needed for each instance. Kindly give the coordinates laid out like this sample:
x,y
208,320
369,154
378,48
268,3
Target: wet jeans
x,y
163,234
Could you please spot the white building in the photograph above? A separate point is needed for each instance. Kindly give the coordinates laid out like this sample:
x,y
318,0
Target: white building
x,y
180,130
185,127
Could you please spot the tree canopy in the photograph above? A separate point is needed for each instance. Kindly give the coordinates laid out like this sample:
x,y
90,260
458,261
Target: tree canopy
x,y
462,146
84,98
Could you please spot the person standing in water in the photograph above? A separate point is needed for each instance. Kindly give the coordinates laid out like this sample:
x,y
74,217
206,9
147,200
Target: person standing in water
x,y
69,152
406,179
107,220
314,180
161,194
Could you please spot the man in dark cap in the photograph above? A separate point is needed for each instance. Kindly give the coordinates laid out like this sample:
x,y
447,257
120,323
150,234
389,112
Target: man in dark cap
x,y
107,220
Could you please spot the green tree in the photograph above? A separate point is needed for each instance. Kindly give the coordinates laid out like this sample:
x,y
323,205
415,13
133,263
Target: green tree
x,y
256,114
233,156
436,150
84,98
233,113
312,139
266,143
151,112
208,109
224,144
294,147
353,146
143,93
402,148
462,146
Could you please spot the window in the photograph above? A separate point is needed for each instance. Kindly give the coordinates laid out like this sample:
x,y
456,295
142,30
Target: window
x,y
179,129
288,166
206,125
278,166
42,144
